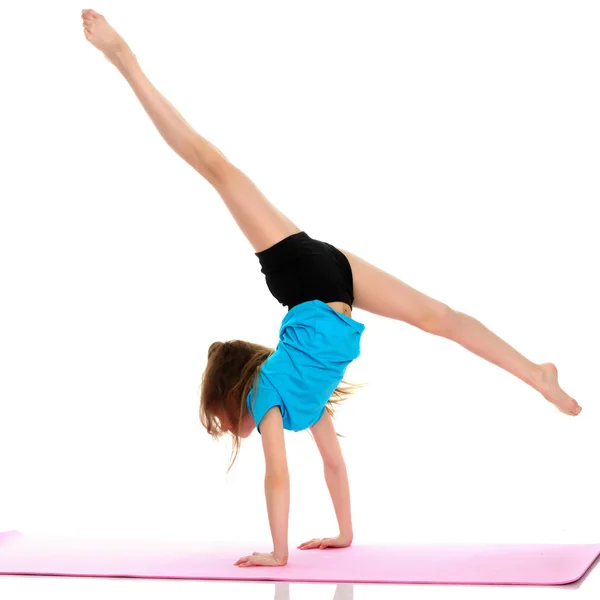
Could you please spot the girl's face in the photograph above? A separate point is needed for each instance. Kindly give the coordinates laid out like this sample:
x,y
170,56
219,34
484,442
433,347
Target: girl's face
x,y
247,425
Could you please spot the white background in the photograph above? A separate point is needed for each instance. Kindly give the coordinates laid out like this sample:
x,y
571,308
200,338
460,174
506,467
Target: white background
x,y
454,145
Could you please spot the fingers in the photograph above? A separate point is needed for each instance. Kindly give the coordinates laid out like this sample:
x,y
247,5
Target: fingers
x,y
243,560
323,543
314,543
248,561
251,561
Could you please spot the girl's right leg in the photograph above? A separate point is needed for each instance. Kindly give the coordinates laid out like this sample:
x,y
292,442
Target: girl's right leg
x,y
383,294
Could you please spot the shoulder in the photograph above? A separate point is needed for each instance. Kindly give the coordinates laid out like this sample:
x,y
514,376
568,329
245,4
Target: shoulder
x,y
265,399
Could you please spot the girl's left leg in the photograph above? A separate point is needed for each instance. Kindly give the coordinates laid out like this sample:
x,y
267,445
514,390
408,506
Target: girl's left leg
x,y
261,222
383,294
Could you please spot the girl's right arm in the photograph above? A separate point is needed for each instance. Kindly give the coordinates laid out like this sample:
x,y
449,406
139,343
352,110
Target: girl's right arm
x,y
277,480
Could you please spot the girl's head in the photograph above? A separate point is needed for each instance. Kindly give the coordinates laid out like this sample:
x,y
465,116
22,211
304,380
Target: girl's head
x,y
231,372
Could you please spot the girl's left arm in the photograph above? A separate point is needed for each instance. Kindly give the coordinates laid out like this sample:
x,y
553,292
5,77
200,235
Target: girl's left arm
x,y
336,475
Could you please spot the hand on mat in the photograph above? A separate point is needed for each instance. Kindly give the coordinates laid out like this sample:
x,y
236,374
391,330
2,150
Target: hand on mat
x,y
335,542
259,559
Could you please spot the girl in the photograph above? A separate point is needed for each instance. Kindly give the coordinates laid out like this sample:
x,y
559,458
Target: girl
x,y
246,385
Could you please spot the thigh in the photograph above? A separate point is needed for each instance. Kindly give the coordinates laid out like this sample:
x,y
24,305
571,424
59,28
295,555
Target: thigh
x,y
261,222
383,294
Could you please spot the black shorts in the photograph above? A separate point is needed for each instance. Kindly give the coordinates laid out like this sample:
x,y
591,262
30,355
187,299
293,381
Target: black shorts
x,y
300,269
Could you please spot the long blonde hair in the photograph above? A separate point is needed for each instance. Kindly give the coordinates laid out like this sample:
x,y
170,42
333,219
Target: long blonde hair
x,y
230,373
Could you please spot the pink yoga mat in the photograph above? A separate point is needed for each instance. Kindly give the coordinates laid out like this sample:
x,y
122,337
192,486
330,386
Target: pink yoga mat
x,y
448,564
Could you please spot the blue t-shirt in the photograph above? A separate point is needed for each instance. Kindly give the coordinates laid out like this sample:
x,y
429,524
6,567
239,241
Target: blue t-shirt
x,y
316,345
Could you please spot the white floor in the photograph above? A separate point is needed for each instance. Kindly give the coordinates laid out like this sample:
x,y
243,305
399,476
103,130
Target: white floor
x,y
18,588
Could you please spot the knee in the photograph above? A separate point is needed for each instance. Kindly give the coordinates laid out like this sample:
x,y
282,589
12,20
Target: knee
x,y
439,321
212,164
220,170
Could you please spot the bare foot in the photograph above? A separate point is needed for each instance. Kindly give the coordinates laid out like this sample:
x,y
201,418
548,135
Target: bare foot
x,y
550,389
101,35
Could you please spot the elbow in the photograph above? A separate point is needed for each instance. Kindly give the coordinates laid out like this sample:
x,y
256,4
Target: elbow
x,y
334,466
277,476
